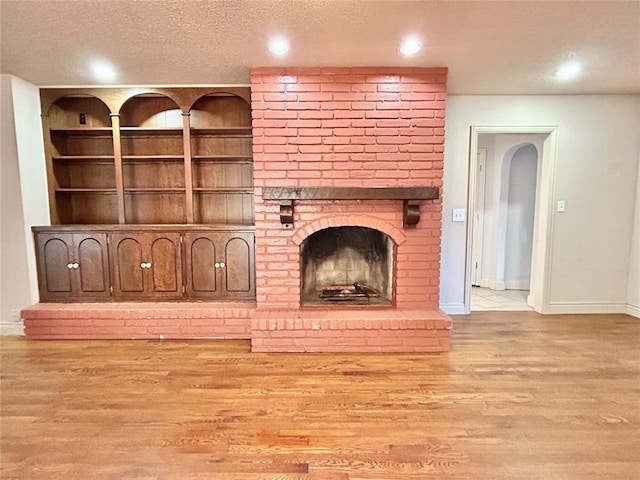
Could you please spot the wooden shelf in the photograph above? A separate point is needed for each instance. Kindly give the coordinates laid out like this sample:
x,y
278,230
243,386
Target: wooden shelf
x,y
81,131
236,159
150,131
223,190
110,191
154,190
223,131
152,158
83,158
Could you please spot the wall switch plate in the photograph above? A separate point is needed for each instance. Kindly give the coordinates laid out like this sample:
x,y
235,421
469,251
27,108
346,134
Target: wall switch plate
x,y
560,206
459,215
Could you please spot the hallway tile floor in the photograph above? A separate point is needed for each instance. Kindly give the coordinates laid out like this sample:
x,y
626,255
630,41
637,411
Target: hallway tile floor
x,y
485,299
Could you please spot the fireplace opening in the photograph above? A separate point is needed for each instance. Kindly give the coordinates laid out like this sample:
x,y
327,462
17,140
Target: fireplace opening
x,y
347,266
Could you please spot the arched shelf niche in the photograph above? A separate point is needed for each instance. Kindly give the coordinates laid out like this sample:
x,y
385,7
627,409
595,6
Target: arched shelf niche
x,y
221,159
153,160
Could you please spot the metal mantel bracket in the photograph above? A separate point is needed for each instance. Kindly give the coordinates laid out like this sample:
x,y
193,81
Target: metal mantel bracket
x,y
286,214
410,213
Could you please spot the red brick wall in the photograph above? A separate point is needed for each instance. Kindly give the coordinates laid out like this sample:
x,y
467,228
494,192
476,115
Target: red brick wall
x,y
372,127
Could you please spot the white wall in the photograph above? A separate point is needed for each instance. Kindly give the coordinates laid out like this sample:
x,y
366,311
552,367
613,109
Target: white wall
x,y
598,150
633,290
23,198
520,214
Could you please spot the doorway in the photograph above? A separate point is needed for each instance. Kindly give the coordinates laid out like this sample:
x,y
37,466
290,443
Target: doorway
x,y
512,170
503,238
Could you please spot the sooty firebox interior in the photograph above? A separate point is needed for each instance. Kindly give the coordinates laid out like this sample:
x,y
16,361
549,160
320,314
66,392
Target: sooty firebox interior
x,y
347,265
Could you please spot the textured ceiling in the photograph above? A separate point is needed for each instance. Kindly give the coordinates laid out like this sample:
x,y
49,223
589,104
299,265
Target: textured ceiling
x,y
497,47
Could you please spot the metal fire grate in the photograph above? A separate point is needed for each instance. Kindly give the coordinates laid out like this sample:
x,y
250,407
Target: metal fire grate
x,y
349,293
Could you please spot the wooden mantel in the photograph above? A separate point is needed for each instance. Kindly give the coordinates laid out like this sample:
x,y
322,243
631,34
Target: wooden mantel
x,y
411,197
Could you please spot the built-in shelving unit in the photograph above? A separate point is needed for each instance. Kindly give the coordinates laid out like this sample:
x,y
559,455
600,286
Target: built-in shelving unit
x,y
131,160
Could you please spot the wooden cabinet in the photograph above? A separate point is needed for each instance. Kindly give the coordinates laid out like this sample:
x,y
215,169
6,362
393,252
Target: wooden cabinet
x,y
118,263
220,265
73,266
146,264
140,171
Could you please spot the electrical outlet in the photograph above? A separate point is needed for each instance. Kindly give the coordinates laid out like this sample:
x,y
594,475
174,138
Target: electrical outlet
x,y
459,215
83,119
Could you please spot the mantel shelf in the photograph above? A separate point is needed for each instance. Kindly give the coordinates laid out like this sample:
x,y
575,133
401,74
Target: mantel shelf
x,y
350,193
411,197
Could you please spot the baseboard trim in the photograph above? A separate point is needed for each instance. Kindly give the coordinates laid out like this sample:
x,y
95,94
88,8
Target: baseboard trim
x,y
560,308
516,285
492,284
12,328
453,308
633,310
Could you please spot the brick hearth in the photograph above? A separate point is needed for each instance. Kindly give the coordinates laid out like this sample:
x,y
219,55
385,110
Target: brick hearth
x,y
353,330
132,320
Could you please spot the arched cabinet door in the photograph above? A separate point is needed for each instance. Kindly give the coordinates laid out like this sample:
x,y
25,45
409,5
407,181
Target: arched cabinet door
x,y
164,265
146,265
93,265
55,265
128,268
72,266
201,264
238,272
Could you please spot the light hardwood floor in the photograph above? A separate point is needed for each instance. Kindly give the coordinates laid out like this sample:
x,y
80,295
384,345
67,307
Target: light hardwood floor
x,y
521,396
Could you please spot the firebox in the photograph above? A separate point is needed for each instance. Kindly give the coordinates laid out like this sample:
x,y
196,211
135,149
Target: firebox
x,y
347,266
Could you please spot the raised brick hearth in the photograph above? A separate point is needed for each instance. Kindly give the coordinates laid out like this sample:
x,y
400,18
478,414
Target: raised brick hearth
x,y
317,127
353,330
131,320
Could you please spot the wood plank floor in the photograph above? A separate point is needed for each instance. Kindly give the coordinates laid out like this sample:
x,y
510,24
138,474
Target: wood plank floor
x,y
521,396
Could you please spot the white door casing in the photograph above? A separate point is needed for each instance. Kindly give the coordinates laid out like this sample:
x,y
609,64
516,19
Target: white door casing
x,y
478,217
544,221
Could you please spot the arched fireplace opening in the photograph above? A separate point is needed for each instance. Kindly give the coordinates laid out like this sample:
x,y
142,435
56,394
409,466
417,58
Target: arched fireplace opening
x,y
347,266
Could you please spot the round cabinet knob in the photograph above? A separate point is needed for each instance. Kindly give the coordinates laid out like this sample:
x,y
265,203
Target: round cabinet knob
x,y
222,265
143,265
217,265
69,265
148,264
76,265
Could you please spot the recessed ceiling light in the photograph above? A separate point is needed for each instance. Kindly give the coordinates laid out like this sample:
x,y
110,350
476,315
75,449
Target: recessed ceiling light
x,y
569,70
103,71
410,46
278,45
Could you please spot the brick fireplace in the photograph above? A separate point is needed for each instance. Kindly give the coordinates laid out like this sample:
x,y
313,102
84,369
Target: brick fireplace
x,y
341,128
334,148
